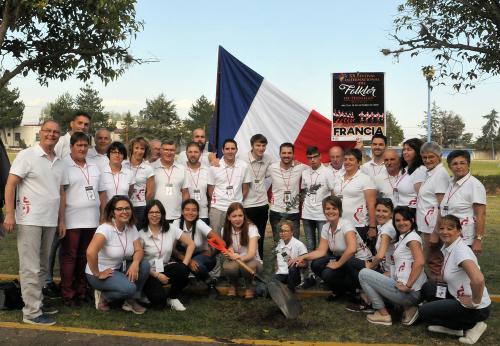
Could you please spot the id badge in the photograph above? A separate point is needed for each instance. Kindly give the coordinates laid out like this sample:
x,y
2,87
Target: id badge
x,y
287,197
312,197
124,266
169,189
441,289
396,194
256,181
89,190
159,265
445,209
197,194
229,190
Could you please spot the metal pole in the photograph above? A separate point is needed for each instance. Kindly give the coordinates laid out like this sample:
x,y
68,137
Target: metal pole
x,y
429,116
492,149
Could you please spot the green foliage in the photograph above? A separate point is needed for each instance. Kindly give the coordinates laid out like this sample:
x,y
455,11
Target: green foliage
x,y
200,114
11,108
491,183
447,128
129,128
89,101
60,39
462,35
159,119
61,110
393,131
491,132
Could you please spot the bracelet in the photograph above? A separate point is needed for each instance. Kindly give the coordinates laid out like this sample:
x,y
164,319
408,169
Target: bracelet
x,y
410,287
369,227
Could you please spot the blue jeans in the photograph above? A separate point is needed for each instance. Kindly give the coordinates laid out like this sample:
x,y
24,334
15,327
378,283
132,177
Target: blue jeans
x,y
205,265
118,286
292,279
379,287
312,230
341,280
275,218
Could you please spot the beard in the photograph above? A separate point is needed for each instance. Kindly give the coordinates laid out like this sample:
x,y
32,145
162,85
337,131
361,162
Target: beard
x,y
201,146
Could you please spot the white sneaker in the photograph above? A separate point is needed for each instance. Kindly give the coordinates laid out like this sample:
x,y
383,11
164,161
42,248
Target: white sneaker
x,y
472,335
444,330
176,304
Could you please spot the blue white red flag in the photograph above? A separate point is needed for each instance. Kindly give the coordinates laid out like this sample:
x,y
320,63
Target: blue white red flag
x,y
247,104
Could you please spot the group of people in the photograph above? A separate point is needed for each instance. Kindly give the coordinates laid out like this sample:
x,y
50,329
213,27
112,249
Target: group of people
x,y
389,233
341,117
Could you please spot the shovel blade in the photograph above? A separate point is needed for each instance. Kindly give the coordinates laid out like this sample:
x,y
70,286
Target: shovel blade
x,y
284,299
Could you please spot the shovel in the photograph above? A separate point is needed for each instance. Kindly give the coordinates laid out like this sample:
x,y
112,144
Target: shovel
x,y
280,294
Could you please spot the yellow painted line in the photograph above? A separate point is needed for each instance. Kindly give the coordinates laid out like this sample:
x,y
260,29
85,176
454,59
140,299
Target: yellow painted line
x,y
182,338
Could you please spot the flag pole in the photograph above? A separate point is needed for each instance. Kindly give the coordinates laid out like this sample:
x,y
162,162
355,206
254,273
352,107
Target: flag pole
x,y
216,118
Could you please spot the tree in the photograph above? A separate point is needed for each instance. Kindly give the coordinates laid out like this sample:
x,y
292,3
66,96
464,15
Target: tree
x,y
490,132
58,39
200,114
61,110
447,128
129,128
159,119
89,101
11,109
393,130
462,35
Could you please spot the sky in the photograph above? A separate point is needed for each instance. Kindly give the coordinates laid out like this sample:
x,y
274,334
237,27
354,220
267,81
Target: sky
x,y
295,45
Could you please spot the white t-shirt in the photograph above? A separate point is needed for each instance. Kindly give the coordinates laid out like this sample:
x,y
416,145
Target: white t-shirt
x,y
312,208
388,230
455,276
257,194
201,235
227,182
404,189
101,160
159,247
169,185
373,169
62,147
197,187
253,232
459,199
337,173
82,194
285,186
337,243
427,205
385,185
284,252
403,261
141,175
39,192
119,246
351,191
117,184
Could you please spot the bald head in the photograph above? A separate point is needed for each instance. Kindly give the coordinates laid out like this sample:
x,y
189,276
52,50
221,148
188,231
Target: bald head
x,y
336,154
392,161
102,141
155,146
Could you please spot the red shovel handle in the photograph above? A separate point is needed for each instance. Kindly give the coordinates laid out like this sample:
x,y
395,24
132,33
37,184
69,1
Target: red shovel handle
x,y
220,246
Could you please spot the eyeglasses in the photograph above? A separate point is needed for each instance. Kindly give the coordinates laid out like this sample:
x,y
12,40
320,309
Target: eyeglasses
x,y
115,152
154,212
284,230
55,132
127,209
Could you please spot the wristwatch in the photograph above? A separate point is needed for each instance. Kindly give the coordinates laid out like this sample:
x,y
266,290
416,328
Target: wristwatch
x,y
479,237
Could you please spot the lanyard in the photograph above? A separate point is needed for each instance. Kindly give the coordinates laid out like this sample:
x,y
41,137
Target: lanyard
x,y
168,175
192,178
380,170
236,239
160,248
87,176
116,184
342,186
333,238
399,242
229,179
446,260
256,176
287,184
120,239
389,179
399,180
450,193
311,177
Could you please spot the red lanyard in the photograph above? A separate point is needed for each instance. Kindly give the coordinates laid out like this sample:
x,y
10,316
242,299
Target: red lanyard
x,y
380,170
399,181
333,238
120,239
450,193
229,179
168,175
87,176
390,182
311,177
446,260
256,176
192,178
342,186
160,249
236,239
117,185
287,184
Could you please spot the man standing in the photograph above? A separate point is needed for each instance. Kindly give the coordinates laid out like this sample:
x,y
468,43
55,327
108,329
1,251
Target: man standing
x,y
388,180
83,197
154,154
256,203
170,181
285,176
336,165
375,166
38,175
100,153
80,123
197,177
199,137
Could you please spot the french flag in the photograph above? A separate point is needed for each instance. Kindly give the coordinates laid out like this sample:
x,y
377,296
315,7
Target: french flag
x,y
247,104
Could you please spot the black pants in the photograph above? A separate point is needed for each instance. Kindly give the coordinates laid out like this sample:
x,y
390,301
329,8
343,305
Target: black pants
x,y
178,277
259,215
292,279
341,280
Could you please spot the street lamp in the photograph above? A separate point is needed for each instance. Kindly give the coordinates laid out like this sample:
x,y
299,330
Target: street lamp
x,y
428,72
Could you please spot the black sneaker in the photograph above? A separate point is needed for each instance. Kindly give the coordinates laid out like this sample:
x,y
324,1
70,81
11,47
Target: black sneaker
x,y
308,283
51,290
359,307
212,291
49,310
42,320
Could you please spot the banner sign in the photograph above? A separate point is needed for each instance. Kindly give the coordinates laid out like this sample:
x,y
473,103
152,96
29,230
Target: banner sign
x,y
358,110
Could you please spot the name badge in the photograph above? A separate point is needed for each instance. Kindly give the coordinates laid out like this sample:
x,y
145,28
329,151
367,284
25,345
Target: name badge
x,y
89,190
441,289
287,197
445,208
124,266
197,194
169,189
229,190
256,181
312,197
159,265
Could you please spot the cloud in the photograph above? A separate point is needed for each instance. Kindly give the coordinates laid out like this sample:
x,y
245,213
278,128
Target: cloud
x,y
120,103
183,104
36,102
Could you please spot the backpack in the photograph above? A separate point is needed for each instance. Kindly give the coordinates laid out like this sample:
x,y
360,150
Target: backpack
x,y
10,296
